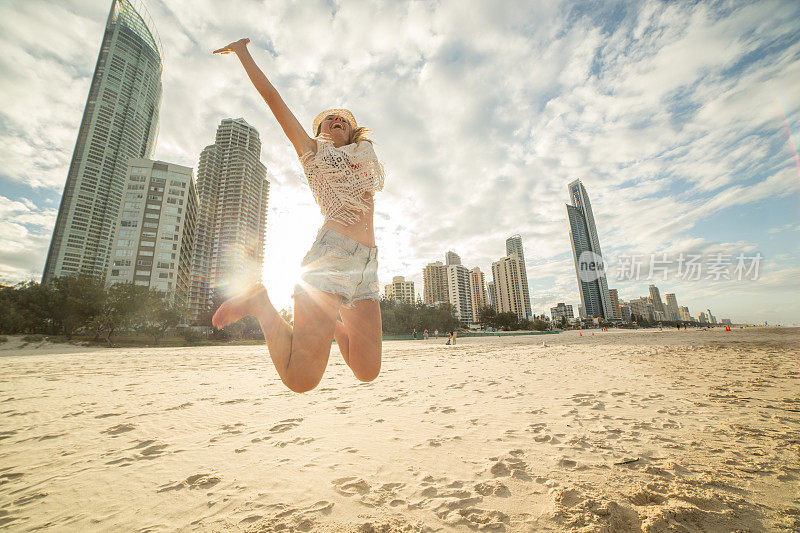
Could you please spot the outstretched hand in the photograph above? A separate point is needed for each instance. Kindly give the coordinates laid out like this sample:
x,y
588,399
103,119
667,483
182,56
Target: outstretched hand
x,y
234,47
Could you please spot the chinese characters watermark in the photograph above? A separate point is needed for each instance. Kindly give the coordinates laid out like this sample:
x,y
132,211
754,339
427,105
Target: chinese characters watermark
x,y
689,267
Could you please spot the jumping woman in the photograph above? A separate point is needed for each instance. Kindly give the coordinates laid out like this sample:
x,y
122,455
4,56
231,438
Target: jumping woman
x,y
340,272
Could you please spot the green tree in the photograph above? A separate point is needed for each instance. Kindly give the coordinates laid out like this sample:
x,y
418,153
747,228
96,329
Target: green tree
x,y
119,308
75,302
539,324
155,314
487,317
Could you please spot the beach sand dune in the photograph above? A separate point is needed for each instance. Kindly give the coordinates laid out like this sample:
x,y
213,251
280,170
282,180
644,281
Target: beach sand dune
x,y
617,431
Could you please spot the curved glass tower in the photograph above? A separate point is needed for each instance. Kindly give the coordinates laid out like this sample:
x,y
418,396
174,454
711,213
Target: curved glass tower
x,y
120,122
595,297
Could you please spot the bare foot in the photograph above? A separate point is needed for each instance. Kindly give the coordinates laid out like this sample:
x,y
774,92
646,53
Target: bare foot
x,y
239,307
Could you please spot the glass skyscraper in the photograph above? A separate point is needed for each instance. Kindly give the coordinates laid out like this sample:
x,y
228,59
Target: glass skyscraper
x,y
592,283
120,122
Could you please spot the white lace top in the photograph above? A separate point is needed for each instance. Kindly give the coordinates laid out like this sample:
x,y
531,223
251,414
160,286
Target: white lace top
x,y
339,178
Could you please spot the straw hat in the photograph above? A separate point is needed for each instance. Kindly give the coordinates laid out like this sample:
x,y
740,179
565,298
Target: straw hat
x,y
344,113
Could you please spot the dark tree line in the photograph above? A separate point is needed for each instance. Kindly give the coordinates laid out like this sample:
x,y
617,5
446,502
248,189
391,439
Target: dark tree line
x,y
508,321
82,304
401,318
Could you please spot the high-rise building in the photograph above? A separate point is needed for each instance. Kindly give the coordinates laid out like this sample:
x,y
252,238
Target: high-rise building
x,y
589,266
507,278
658,305
561,311
233,190
120,122
683,313
703,319
711,318
155,228
672,308
434,283
458,292
492,295
642,308
615,304
514,246
400,289
477,290
452,258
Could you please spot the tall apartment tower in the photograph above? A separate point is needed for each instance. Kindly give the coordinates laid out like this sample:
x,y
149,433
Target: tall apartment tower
x,y
400,289
592,283
508,288
615,304
434,283
120,121
658,305
233,190
491,294
155,228
672,307
458,292
477,289
514,246
452,258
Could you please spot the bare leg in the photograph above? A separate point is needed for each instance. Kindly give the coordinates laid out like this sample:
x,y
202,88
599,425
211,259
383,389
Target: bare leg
x,y
360,330
299,354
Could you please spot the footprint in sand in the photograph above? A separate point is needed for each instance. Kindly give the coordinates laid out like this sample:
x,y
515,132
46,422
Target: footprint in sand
x,y
285,425
351,486
196,481
119,428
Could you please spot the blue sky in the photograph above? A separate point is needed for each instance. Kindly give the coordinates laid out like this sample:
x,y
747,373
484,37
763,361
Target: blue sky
x,y
675,115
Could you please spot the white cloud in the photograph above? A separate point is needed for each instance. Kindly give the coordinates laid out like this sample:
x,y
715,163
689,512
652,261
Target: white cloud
x,y
482,113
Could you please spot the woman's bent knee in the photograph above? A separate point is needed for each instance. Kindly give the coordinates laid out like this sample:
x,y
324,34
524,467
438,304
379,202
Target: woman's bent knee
x,y
301,384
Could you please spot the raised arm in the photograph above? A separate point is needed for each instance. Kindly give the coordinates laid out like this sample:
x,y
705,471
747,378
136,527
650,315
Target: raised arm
x,y
291,126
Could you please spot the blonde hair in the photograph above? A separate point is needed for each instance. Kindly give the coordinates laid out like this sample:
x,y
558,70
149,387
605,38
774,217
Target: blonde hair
x,y
356,134
359,134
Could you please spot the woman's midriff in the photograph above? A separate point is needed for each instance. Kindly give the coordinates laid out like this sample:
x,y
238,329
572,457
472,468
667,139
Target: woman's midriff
x,y
361,231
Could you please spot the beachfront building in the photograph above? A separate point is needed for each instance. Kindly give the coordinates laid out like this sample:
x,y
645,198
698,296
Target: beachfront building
x,y
658,305
671,307
702,318
154,231
514,246
452,258
491,294
120,122
477,291
508,288
233,190
643,308
561,311
625,310
683,313
458,293
434,283
400,289
615,304
589,267
711,318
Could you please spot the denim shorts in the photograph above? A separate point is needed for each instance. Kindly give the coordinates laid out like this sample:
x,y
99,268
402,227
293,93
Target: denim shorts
x,y
342,266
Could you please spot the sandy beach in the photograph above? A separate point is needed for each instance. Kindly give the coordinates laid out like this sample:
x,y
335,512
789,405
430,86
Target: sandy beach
x,y
617,431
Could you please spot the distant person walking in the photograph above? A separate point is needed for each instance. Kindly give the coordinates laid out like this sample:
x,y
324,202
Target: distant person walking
x,y
425,334
436,333
414,334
